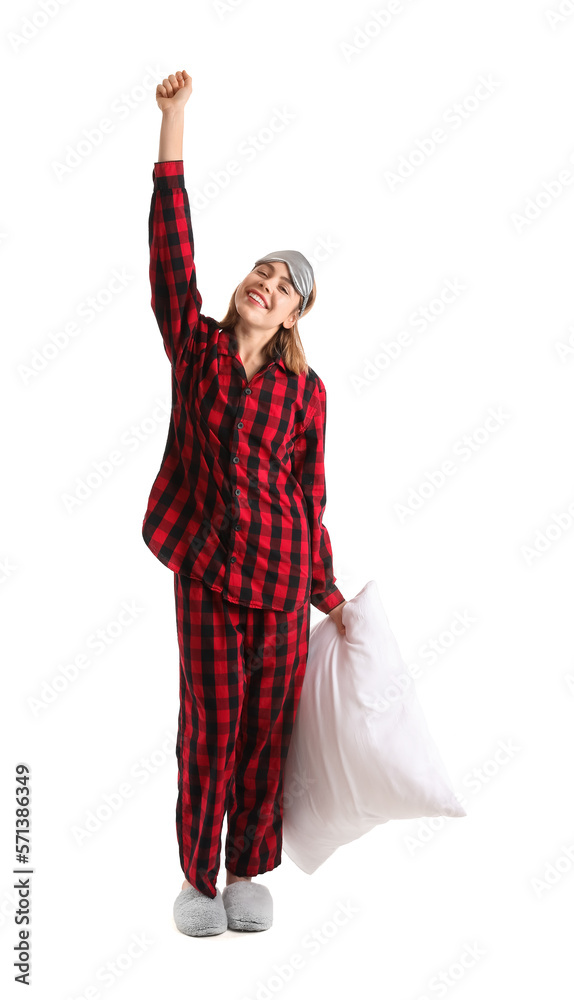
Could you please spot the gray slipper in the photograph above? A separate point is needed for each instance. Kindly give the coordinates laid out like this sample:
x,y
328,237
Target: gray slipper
x,y
199,915
249,906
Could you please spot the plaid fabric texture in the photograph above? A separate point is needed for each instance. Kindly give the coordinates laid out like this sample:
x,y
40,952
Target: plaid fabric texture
x,y
241,674
239,498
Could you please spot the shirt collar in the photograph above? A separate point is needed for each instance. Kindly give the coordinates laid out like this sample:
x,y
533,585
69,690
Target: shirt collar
x,y
228,345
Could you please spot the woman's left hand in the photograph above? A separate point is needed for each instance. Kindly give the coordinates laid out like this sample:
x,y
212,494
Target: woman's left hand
x,y
337,616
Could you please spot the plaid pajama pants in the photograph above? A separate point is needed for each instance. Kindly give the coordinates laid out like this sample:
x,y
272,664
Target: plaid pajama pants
x,y
241,673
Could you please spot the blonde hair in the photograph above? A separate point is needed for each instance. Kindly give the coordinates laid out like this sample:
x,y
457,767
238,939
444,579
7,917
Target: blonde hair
x,y
286,342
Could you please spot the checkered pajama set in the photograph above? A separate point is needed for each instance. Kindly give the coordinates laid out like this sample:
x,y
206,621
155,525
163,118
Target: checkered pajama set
x,y
236,512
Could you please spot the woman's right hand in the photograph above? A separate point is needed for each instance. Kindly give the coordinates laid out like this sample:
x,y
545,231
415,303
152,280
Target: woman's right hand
x,y
174,91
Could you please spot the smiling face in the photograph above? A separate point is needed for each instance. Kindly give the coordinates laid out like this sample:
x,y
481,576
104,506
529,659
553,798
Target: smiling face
x,y
267,298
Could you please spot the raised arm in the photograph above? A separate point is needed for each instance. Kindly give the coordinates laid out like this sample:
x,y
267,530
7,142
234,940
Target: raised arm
x,y
175,299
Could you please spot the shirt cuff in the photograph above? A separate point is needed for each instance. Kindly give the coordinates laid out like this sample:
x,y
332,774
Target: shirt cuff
x,y
329,602
168,174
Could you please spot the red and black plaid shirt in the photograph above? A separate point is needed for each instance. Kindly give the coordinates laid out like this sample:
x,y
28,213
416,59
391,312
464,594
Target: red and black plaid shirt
x,y
239,498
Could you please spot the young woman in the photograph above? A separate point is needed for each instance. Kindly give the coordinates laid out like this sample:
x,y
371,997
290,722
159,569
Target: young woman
x,y
236,512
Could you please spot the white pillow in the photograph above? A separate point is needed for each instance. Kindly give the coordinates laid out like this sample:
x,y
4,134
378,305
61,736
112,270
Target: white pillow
x,y
361,752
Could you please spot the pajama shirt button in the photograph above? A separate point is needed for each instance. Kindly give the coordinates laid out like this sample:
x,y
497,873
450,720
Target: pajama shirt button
x,y
237,492
248,392
232,559
240,424
236,459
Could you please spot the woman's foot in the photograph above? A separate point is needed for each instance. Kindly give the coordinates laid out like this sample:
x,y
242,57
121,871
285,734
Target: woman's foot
x,y
197,914
249,906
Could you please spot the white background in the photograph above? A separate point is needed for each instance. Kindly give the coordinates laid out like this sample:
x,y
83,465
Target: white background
x,y
483,543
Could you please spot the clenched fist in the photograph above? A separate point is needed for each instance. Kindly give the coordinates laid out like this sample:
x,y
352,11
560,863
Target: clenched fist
x,y
174,91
